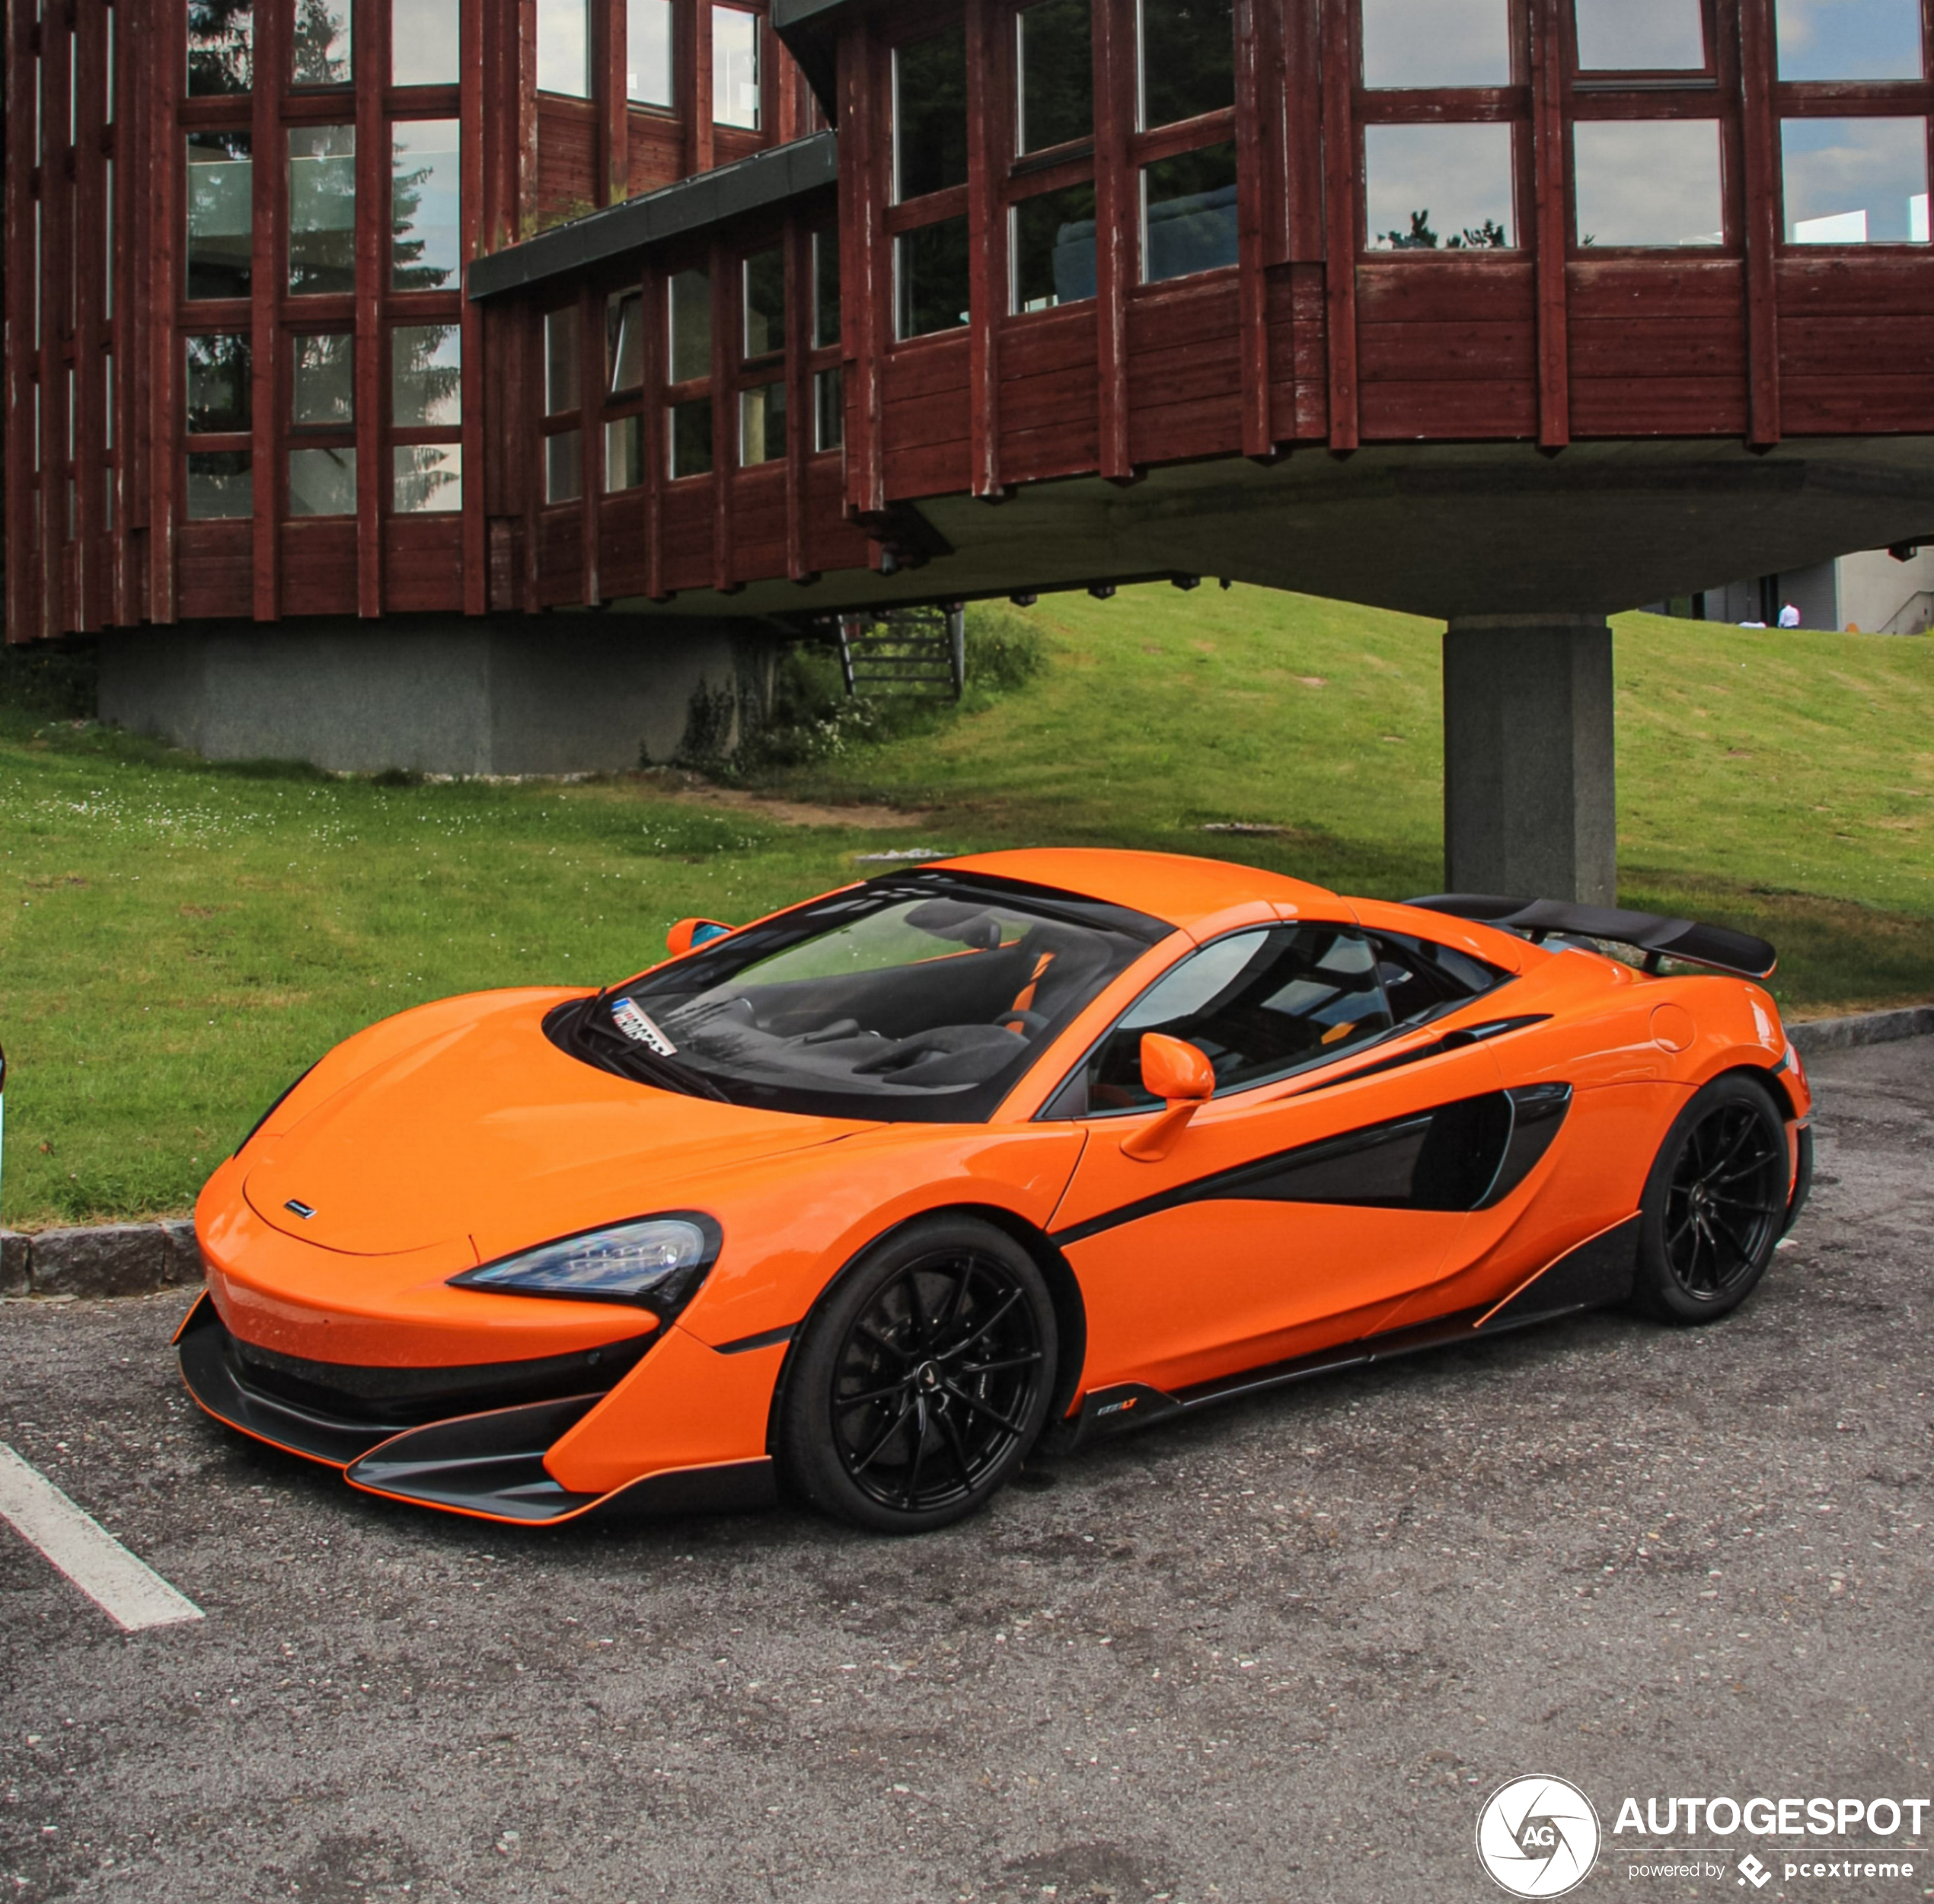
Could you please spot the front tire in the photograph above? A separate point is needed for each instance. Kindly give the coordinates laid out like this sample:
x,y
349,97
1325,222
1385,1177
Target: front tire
x,y
1715,1205
923,1379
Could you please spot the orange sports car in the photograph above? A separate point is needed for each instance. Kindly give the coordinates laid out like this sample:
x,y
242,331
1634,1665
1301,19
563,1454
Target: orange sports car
x,y
877,1196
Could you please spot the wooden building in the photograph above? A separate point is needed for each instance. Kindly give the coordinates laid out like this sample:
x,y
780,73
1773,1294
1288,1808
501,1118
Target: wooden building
x,y
414,314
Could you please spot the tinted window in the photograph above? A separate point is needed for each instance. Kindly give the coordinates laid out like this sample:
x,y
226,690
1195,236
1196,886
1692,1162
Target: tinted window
x,y
1421,978
930,115
1261,1005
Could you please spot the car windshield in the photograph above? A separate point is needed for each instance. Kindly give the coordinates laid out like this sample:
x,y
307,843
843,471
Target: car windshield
x,y
920,997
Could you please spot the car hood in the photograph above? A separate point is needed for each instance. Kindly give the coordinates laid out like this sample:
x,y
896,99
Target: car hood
x,y
485,1132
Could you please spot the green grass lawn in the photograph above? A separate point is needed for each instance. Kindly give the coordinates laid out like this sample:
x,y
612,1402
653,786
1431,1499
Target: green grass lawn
x,y
177,940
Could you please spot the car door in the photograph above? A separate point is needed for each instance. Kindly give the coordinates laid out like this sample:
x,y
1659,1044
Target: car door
x,y
1328,1178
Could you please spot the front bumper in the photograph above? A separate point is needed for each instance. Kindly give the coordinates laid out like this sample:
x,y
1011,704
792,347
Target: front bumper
x,y
470,1440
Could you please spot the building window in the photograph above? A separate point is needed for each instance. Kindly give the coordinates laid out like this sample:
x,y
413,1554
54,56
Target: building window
x,y
765,303
826,289
761,425
648,44
1432,43
564,47
931,279
561,361
425,225
1855,181
220,52
217,411
426,376
424,43
322,380
1189,213
321,208
691,315
1640,35
322,481
426,479
624,453
688,368
564,466
1051,248
319,51
930,115
1427,188
735,67
564,443
1853,39
221,215
1652,183
624,342
829,406
690,437
1053,69
1186,58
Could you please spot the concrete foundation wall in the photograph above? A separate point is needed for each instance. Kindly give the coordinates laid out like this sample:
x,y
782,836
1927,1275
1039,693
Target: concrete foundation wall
x,y
551,694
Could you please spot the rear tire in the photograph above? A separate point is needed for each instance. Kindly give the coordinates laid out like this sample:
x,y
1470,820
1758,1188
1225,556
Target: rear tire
x,y
923,1379
1715,1205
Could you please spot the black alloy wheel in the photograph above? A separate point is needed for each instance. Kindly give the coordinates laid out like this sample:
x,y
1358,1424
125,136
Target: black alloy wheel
x,y
924,1378
1715,1204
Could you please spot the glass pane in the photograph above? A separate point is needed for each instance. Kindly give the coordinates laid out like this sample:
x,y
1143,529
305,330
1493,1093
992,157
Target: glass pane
x,y
735,67
648,52
221,215
425,227
1649,182
1188,214
564,47
826,289
561,388
692,438
829,401
1188,56
761,425
322,482
765,303
1054,59
930,267
426,479
423,37
219,59
1855,181
107,232
427,375
564,466
1640,35
691,325
1427,187
322,379
930,115
322,207
218,383
624,341
1849,39
1436,43
319,53
1053,248
624,453
219,486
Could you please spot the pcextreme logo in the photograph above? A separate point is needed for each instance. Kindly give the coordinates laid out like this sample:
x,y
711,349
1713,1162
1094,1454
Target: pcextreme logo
x,y
1538,1837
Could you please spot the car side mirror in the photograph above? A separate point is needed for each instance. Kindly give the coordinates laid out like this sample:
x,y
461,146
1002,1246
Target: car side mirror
x,y
689,933
1183,1077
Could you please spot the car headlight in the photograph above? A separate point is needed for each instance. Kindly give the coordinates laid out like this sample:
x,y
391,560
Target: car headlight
x,y
657,1262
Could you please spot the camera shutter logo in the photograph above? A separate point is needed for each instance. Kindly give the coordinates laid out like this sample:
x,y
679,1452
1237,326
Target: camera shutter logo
x,y
1538,1837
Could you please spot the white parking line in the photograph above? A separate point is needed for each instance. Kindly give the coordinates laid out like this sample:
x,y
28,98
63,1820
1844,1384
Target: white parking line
x,y
128,1590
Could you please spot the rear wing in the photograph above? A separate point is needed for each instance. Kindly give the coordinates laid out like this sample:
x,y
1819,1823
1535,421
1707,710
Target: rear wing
x,y
1537,919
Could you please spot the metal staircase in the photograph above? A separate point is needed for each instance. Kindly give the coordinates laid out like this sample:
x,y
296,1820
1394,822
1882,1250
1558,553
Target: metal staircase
x,y
918,653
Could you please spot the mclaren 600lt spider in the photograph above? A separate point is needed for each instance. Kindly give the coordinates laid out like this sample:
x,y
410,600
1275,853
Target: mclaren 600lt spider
x,y
871,1197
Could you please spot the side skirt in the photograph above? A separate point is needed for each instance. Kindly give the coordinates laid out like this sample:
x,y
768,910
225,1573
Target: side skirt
x,y
1596,1274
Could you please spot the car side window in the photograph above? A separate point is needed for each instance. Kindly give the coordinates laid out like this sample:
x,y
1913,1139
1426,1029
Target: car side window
x,y
1421,978
1260,1004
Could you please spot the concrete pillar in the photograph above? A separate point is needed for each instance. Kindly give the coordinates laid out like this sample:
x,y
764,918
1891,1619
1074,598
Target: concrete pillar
x,y
1529,771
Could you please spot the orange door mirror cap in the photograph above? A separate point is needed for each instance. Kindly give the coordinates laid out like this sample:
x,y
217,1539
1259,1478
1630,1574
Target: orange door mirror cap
x,y
689,933
1183,1077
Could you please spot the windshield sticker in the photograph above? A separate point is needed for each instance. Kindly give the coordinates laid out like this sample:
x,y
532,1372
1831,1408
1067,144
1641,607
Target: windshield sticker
x,y
637,1026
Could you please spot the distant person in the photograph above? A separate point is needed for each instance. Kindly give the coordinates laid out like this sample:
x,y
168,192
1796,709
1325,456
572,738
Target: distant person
x,y
1789,617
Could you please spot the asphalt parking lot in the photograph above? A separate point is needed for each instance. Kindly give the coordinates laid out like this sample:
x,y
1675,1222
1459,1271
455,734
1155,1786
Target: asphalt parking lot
x,y
1284,1652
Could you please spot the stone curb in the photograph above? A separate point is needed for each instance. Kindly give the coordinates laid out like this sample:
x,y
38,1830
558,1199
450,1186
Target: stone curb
x,y
1864,1027
107,1259
136,1259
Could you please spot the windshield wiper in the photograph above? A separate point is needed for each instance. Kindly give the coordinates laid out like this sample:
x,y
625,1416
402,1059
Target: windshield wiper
x,y
651,1067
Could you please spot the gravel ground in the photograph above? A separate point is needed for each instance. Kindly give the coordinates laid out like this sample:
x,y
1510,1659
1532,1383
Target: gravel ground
x,y
1281,1652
